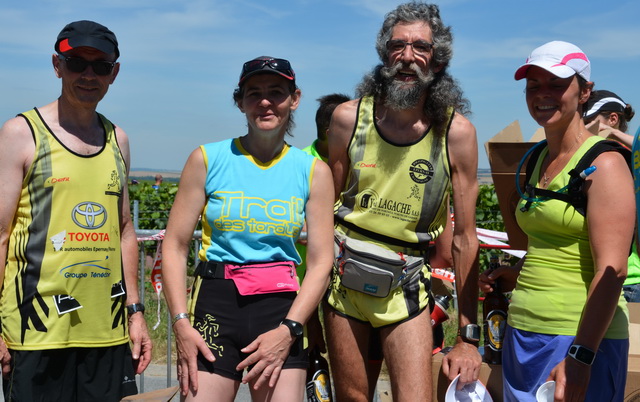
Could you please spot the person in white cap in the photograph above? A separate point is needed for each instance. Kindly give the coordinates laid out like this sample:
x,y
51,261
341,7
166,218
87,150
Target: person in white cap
x,y
612,115
68,248
567,318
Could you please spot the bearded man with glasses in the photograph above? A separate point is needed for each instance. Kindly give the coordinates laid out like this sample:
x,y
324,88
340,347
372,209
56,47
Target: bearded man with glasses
x,y
68,249
395,153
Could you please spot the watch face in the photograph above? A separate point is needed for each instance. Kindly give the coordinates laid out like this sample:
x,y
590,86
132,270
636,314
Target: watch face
x,y
582,354
134,308
471,332
295,327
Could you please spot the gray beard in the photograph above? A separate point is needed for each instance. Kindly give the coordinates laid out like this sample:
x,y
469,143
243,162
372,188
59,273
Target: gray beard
x,y
402,96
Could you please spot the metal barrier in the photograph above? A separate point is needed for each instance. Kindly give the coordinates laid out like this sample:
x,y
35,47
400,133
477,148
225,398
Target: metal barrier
x,y
143,234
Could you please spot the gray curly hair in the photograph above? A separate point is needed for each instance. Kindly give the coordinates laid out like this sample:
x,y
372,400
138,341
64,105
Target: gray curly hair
x,y
444,91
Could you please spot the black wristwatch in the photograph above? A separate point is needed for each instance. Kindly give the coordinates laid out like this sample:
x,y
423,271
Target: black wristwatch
x,y
582,354
470,333
134,308
295,327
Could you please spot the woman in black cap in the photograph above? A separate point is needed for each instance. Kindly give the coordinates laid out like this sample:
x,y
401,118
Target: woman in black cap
x,y
253,194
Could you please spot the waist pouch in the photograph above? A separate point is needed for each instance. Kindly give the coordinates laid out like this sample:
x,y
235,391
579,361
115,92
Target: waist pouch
x,y
253,278
371,269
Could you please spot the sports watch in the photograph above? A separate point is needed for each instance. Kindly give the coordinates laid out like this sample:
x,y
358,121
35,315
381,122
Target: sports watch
x,y
582,354
134,308
295,327
470,333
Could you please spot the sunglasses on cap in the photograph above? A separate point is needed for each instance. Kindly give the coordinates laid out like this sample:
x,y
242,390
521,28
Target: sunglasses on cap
x,y
78,65
279,66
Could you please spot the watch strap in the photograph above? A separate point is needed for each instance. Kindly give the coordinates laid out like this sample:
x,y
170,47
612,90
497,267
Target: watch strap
x,y
295,328
135,308
470,333
582,354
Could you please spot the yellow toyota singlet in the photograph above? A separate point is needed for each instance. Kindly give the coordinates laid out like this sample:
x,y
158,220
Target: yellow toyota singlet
x,y
63,283
395,193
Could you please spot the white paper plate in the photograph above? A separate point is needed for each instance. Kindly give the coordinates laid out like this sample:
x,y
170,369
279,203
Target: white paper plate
x,y
473,392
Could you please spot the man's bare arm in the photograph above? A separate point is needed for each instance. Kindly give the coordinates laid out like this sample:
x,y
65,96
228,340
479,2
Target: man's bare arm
x,y
464,359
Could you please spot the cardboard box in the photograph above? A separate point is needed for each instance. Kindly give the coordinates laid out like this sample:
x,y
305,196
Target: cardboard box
x,y
505,150
160,395
632,390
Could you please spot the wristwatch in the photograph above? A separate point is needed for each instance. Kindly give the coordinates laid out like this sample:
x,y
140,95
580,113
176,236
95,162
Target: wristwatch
x,y
295,327
134,308
470,333
582,354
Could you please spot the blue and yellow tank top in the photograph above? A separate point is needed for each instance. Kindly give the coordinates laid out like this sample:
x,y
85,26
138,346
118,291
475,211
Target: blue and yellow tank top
x,y
63,283
254,211
397,192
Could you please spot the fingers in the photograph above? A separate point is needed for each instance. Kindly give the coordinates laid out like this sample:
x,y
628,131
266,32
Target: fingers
x,y
465,360
5,361
145,357
206,352
262,374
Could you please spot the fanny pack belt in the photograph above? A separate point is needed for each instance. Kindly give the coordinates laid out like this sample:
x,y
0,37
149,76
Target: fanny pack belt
x,y
210,269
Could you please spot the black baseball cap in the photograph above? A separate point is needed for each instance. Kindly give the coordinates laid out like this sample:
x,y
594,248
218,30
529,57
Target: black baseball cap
x,y
88,34
268,65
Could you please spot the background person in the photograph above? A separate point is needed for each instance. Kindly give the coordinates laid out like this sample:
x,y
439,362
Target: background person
x,y
328,103
64,172
613,114
394,154
319,149
567,318
254,193
158,183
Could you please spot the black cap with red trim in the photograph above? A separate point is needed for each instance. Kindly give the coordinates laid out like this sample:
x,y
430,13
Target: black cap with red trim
x,y
87,34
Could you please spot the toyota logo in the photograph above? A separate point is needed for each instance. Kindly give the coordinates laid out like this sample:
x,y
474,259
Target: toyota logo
x,y
89,215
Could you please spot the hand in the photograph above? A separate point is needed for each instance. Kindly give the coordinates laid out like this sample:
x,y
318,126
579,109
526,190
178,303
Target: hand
x,y
508,277
270,350
5,358
189,342
572,380
463,359
141,351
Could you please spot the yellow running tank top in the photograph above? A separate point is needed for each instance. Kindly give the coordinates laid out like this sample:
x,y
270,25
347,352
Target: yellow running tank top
x,y
63,283
395,193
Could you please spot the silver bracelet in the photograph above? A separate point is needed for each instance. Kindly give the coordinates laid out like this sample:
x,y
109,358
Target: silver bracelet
x,y
179,316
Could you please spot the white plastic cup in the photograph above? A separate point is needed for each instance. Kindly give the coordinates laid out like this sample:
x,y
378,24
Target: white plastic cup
x,y
546,391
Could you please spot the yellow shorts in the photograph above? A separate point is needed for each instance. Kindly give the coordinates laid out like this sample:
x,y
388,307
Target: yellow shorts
x,y
402,303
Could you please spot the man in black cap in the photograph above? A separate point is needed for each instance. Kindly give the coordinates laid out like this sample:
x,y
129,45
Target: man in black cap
x,y
68,248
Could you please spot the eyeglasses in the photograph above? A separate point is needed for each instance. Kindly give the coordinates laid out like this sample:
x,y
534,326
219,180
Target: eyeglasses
x,y
419,47
282,66
78,65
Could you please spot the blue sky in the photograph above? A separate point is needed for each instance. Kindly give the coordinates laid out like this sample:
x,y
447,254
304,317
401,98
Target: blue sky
x,y
180,59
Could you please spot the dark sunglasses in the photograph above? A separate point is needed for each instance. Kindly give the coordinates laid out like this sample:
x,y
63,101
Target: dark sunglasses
x,y
78,65
280,65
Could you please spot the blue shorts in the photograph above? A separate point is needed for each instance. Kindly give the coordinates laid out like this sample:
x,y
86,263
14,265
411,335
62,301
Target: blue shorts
x,y
529,357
